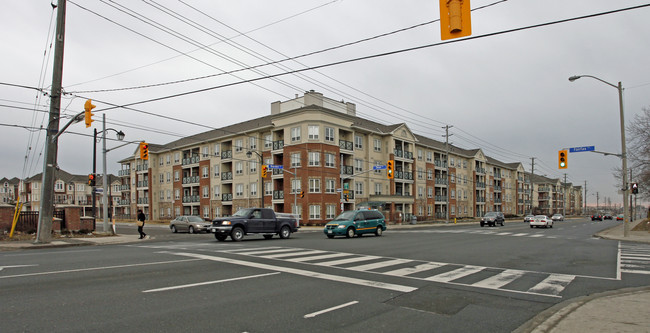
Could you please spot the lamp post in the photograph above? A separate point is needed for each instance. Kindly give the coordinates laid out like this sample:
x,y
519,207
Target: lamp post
x,y
619,87
249,154
120,136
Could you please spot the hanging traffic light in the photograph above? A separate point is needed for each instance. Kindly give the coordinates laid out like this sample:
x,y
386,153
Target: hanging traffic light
x,y
562,159
91,179
88,115
144,151
265,168
346,197
455,19
390,165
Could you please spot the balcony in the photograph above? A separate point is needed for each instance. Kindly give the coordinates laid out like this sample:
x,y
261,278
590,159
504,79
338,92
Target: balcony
x,y
226,197
440,164
276,172
408,155
480,185
278,145
191,160
278,195
441,198
346,145
226,176
191,180
143,201
226,154
124,172
347,170
142,167
404,175
192,199
441,181
497,188
124,202
125,187
143,184
480,170
480,199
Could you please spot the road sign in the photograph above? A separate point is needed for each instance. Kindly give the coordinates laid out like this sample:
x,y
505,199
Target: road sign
x,y
339,190
379,167
275,166
99,190
580,149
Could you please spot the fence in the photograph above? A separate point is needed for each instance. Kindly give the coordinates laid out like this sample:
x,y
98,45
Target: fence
x,y
28,220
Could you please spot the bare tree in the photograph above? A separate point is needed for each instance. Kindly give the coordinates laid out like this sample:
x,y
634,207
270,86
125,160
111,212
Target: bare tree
x,y
638,151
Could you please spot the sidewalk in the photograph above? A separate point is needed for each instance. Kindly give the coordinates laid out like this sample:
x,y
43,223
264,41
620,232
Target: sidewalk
x,y
624,310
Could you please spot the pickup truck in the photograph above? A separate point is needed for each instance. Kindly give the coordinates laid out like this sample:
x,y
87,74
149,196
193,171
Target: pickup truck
x,y
254,221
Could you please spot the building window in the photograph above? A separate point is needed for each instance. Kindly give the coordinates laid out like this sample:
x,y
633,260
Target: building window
x,y
206,152
329,160
169,194
58,186
329,134
358,142
217,150
429,192
377,145
268,188
215,168
420,192
419,154
312,132
297,210
377,189
358,188
161,178
330,185
239,168
314,185
358,165
206,211
177,194
314,212
253,166
177,158
239,145
429,174
215,190
239,190
420,173
451,161
330,211
253,189
429,156
268,142
168,159
377,163
295,160
295,185
295,134
252,143
453,194
206,191
206,172
314,158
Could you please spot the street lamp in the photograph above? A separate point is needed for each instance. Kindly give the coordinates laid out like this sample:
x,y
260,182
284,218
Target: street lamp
x,y
261,189
120,136
619,87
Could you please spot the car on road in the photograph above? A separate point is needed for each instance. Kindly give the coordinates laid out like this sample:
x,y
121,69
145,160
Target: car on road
x,y
254,221
607,216
492,219
596,217
619,217
356,222
189,223
557,217
528,218
541,221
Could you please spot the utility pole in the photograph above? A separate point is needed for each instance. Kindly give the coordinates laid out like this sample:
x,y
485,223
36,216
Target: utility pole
x,y
532,172
631,206
585,199
447,127
44,231
564,197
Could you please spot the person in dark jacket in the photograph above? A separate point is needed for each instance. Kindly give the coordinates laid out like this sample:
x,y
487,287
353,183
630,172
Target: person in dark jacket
x,y
141,219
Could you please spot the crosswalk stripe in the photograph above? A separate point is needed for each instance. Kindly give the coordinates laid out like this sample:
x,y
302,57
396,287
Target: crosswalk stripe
x,y
553,284
324,256
416,269
292,254
347,260
500,279
380,264
455,274
267,251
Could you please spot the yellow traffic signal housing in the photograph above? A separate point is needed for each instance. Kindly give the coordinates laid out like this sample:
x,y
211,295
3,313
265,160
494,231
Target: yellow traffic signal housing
x,y
562,159
264,170
91,179
144,151
390,166
455,20
88,115
302,194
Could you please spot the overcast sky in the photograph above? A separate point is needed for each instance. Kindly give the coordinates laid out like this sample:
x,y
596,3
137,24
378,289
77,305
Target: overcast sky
x,y
506,93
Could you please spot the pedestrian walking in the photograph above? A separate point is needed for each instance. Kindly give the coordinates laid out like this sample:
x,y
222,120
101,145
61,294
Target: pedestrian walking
x,y
140,223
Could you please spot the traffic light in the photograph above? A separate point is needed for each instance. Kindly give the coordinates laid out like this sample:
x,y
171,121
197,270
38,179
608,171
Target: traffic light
x,y
91,179
389,169
562,159
264,170
302,194
635,188
345,197
144,151
455,19
88,116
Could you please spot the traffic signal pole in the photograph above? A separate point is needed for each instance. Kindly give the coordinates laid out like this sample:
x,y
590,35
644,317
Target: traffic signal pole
x,y
44,231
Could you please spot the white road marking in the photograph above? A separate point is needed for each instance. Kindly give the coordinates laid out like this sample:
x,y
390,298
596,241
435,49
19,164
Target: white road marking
x,y
347,260
416,269
292,254
553,284
455,274
314,314
500,279
15,266
96,268
380,264
208,282
324,256
336,278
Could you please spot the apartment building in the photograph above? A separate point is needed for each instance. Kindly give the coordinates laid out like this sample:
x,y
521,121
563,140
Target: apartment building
x,y
9,190
322,159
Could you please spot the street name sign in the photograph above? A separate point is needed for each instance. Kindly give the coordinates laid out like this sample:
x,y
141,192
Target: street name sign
x,y
580,149
379,167
275,166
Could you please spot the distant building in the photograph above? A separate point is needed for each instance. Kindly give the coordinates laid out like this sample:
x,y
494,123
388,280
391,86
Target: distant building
x,y
323,158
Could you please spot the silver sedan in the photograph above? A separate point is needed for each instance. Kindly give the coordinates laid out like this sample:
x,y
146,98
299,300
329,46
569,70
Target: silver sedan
x,y
191,224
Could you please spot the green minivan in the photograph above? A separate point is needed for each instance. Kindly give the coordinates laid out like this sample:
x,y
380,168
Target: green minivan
x,y
356,222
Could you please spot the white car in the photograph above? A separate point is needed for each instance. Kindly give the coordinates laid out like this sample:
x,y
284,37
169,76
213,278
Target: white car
x,y
557,217
541,220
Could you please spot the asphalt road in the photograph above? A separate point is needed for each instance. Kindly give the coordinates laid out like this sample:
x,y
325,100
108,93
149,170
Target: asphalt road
x,y
445,279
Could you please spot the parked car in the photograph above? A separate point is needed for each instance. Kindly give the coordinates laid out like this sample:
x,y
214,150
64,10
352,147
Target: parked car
x,y
596,217
492,219
619,217
356,222
528,218
254,221
541,221
189,223
557,217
